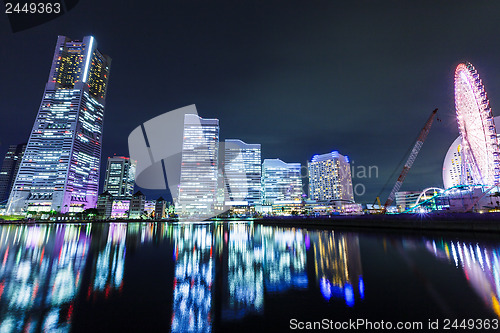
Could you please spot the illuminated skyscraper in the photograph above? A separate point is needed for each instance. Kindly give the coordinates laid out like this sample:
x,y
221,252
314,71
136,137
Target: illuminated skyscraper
x,y
199,166
242,169
281,181
60,168
10,167
120,176
330,178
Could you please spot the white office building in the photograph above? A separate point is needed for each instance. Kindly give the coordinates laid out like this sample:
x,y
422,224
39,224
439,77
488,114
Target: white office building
x,y
281,182
242,172
199,167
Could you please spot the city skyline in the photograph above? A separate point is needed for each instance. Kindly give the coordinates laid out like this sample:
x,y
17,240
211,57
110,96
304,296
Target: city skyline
x,y
230,168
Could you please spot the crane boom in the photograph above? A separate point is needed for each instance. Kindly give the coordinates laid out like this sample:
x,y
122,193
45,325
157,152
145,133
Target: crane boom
x,y
413,155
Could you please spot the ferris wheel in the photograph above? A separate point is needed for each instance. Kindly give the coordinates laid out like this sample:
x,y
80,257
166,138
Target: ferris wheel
x,y
480,153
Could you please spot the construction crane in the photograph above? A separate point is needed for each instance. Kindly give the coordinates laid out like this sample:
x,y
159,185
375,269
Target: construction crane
x,y
409,162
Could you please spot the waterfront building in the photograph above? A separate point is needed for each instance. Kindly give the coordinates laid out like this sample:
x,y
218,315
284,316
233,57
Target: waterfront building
x,y
406,199
149,208
160,208
336,207
105,204
120,208
137,205
120,176
452,165
10,167
242,172
281,185
286,207
60,168
330,178
199,167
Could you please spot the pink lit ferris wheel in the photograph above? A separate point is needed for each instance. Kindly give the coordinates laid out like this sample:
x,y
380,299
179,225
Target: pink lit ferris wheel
x,y
480,154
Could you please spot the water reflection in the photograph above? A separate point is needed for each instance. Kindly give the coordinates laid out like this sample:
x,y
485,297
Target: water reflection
x,y
284,259
260,260
40,275
192,300
338,266
480,264
108,268
216,274
244,277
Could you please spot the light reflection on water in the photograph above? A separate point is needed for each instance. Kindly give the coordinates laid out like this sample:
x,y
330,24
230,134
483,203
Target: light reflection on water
x,y
338,266
40,274
480,265
220,272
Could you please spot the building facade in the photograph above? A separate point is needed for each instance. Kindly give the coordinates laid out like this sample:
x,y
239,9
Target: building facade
x,y
105,205
137,206
160,209
199,167
452,165
120,176
10,167
60,168
330,178
242,172
281,182
406,199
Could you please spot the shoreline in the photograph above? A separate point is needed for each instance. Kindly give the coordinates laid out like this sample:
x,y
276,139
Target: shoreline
x,y
461,222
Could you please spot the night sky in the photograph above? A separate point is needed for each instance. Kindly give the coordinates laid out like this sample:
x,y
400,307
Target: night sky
x,y
299,77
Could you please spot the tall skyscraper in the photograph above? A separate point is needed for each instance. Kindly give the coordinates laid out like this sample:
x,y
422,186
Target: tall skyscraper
x,y
120,176
281,181
242,170
199,166
330,178
60,168
10,167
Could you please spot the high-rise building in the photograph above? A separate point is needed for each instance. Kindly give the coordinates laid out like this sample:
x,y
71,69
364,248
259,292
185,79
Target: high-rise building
x,y
330,178
10,167
242,172
60,168
199,166
120,176
281,182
